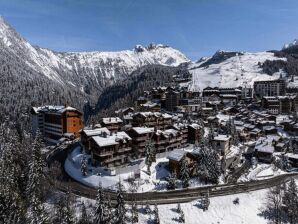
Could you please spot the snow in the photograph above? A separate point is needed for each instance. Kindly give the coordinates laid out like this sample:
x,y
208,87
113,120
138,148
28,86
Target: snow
x,y
240,70
143,130
222,138
261,171
72,167
111,120
155,182
111,139
96,131
222,210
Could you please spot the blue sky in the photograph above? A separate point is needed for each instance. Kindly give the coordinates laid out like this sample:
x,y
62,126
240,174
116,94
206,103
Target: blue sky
x,y
196,27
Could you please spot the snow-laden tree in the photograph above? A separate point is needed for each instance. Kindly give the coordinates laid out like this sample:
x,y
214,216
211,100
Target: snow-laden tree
x,y
184,172
101,213
205,202
172,180
63,210
181,218
147,208
12,204
150,155
210,164
84,216
156,215
36,212
290,201
120,210
84,166
274,202
282,163
134,213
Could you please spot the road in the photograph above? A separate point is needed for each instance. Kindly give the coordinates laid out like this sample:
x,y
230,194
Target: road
x,y
163,197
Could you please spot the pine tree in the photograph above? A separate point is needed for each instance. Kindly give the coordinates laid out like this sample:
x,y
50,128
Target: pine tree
x,y
147,208
210,163
150,155
178,208
181,218
290,200
274,203
37,213
156,215
172,182
206,202
100,215
84,219
134,213
84,166
184,172
68,214
120,210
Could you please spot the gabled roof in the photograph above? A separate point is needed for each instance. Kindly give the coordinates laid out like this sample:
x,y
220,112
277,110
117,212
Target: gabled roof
x,y
96,131
111,139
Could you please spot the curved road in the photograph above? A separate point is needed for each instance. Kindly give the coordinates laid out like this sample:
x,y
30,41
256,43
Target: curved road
x,y
162,197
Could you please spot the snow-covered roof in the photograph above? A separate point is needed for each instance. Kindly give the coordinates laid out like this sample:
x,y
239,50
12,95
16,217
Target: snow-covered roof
x,y
292,156
143,130
222,138
111,139
155,114
264,144
54,109
176,155
111,120
195,126
96,131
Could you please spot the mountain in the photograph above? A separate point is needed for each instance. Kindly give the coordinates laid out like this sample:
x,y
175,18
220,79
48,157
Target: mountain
x,y
232,69
33,75
89,72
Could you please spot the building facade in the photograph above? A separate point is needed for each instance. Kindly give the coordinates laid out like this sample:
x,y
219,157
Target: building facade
x,y
56,121
269,88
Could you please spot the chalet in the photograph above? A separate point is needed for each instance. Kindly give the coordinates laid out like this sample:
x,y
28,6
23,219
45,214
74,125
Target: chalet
x,y
125,111
222,143
150,106
140,136
175,158
229,100
56,121
110,150
152,119
112,123
87,134
167,140
293,158
264,148
183,129
194,133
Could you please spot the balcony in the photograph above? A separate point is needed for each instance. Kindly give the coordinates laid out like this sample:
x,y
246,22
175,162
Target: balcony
x,y
124,149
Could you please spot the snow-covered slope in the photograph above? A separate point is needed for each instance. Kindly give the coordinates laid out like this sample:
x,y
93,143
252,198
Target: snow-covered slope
x,y
239,70
84,70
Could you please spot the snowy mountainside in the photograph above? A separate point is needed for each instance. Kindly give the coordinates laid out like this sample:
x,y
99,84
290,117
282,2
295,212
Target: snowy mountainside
x,y
88,71
238,70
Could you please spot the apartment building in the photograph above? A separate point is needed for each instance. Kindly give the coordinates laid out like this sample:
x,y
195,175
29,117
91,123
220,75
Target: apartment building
x,y
56,121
